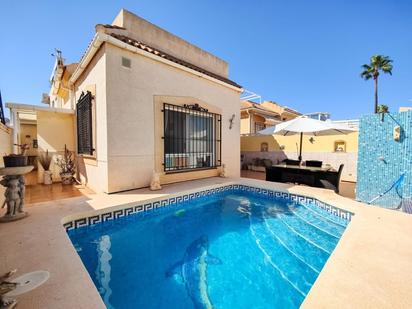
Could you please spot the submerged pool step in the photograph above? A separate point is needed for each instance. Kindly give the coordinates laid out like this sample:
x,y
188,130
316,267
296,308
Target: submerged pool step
x,y
307,230
324,215
310,233
299,274
309,252
318,222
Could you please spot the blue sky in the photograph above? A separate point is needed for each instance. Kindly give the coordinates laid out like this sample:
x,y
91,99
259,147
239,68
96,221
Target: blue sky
x,y
303,54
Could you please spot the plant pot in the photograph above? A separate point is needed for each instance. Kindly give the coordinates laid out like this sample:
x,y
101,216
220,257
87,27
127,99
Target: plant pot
x,y
67,178
47,177
15,161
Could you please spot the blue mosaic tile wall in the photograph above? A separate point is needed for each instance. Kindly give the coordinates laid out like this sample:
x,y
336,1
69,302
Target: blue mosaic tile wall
x,y
376,141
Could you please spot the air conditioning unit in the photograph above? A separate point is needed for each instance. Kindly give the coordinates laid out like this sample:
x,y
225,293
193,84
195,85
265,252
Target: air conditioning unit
x,y
45,98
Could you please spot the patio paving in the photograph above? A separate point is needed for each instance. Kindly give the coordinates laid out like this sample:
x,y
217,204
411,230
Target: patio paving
x,y
39,193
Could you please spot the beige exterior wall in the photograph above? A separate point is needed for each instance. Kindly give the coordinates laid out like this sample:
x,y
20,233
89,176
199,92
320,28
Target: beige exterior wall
x,y
249,120
142,30
92,170
5,142
245,124
134,121
54,130
28,132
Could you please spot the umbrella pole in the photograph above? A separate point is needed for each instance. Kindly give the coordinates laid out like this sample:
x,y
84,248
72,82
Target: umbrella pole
x,y
300,148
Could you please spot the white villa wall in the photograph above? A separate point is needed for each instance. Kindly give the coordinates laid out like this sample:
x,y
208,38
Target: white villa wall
x,y
142,30
93,169
5,142
131,117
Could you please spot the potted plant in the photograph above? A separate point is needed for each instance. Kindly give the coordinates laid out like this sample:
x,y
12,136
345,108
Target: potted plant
x,y
67,166
14,160
45,162
383,108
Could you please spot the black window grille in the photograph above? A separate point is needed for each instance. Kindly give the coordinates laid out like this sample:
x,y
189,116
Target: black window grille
x,y
84,124
192,138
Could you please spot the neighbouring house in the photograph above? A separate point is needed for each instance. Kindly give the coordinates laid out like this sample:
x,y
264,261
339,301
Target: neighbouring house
x,y
140,100
258,116
334,149
319,116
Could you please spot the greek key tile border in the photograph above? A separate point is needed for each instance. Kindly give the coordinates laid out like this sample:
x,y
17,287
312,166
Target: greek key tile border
x,y
152,206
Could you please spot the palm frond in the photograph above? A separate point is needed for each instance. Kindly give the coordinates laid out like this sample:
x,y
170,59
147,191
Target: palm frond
x,y
366,67
366,76
377,63
367,72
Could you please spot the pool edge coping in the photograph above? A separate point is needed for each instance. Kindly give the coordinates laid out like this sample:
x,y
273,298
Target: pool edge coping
x,y
92,217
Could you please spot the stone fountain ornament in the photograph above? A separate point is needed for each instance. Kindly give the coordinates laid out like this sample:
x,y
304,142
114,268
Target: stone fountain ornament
x,y
14,183
10,288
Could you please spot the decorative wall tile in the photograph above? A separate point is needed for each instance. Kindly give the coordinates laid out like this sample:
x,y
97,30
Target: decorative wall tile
x,y
382,160
157,205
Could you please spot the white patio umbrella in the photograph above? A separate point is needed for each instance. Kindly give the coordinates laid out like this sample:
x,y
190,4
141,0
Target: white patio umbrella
x,y
304,125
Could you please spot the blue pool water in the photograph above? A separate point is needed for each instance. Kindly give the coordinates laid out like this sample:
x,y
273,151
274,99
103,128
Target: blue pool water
x,y
231,250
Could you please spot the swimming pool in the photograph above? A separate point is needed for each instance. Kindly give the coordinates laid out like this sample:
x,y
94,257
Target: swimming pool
x,y
234,247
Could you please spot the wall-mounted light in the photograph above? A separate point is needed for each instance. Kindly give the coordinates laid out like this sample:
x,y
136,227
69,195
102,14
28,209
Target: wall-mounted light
x,y
231,120
397,133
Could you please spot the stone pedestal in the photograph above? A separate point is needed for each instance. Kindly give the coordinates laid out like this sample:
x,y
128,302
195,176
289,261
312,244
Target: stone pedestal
x,y
14,182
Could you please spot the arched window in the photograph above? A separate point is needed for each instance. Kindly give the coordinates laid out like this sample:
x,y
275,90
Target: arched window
x,y
340,146
264,147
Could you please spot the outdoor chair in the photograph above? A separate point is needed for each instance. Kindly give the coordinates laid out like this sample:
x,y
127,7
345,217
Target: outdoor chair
x,y
314,163
267,163
331,180
291,162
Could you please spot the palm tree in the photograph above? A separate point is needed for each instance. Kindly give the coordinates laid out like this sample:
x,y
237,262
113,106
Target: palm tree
x,y
377,64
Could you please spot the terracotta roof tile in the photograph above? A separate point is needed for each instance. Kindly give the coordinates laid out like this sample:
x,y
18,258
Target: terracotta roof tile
x,y
292,111
169,57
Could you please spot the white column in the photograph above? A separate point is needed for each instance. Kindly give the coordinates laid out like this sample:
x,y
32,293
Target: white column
x,y
16,129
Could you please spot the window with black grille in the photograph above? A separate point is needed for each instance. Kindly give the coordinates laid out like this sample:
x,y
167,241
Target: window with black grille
x,y
192,138
84,124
